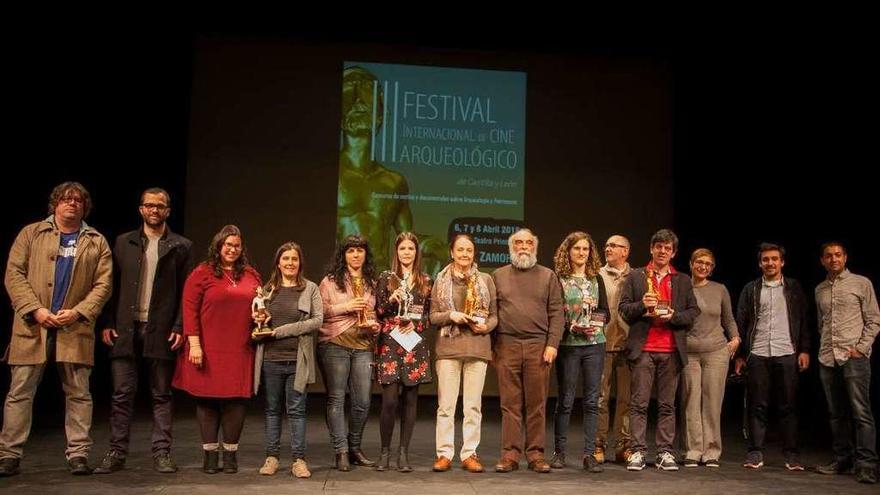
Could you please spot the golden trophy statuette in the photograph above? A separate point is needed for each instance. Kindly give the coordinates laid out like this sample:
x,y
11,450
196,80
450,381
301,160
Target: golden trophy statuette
x,y
662,307
366,318
473,307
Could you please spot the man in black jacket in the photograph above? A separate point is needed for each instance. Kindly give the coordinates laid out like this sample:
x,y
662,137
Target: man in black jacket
x,y
143,323
659,317
772,313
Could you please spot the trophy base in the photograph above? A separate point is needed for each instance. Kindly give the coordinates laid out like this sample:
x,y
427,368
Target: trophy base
x,y
261,332
582,330
479,320
662,308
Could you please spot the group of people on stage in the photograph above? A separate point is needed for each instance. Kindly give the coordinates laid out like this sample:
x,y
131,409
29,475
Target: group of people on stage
x,y
201,329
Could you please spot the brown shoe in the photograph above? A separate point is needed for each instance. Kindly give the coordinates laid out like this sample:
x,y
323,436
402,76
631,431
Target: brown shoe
x,y
442,464
472,464
506,465
539,466
623,455
599,454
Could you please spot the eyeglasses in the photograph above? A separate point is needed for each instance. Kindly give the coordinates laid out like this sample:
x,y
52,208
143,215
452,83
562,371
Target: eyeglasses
x,y
613,245
71,199
707,264
154,206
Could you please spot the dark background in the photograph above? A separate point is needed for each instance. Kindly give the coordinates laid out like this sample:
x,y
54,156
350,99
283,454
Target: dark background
x,y
767,139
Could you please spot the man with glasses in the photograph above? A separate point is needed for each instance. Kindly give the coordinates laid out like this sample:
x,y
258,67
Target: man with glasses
x,y
772,314
58,277
613,274
142,323
660,307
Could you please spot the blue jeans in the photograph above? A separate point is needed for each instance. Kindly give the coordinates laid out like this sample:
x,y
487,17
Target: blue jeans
x,y
575,360
350,370
278,378
849,406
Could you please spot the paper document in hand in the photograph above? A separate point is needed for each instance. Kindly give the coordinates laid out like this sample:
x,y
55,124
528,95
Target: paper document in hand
x,y
406,340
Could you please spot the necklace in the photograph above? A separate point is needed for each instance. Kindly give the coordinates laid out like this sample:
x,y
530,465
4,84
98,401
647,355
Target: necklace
x,y
231,280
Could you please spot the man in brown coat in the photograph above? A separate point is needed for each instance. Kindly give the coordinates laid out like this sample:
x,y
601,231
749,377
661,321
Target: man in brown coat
x,y
58,278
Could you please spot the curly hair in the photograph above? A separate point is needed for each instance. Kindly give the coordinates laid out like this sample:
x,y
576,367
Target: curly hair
x,y
65,190
338,268
214,260
562,259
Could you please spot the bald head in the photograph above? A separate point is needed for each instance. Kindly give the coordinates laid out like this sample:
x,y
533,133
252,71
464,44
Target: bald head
x,y
616,251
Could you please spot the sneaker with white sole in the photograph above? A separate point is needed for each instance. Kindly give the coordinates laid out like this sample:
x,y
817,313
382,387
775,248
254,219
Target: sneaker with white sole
x,y
754,460
666,462
636,461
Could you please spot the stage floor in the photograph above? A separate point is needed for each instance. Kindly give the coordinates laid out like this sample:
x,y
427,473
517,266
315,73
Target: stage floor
x,y
44,470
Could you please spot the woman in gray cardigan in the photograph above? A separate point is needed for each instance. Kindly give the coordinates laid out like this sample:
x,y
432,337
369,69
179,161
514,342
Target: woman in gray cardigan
x,y
285,358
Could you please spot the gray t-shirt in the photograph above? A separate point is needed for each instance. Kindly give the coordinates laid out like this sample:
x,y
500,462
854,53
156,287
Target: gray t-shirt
x,y
148,274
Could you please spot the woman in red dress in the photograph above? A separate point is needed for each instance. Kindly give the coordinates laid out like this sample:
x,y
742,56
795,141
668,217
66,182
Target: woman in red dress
x,y
217,364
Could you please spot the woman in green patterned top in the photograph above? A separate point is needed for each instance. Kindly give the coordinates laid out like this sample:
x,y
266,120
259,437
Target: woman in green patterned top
x,y
582,349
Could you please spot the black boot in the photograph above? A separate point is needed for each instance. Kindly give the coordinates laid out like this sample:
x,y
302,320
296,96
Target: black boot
x,y
212,460
342,462
357,457
230,462
384,459
403,461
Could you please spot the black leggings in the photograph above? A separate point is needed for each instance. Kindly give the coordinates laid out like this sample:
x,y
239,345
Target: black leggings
x,y
212,414
407,404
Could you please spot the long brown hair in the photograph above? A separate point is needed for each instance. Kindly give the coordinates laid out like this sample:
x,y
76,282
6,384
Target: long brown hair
x,y
214,260
276,277
420,283
562,259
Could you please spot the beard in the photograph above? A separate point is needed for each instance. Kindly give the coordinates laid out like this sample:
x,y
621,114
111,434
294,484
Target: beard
x,y
523,261
154,222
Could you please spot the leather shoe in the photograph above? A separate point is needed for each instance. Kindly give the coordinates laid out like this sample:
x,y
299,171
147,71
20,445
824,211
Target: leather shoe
x,y
539,466
506,465
472,464
357,457
8,466
342,462
442,464
79,466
